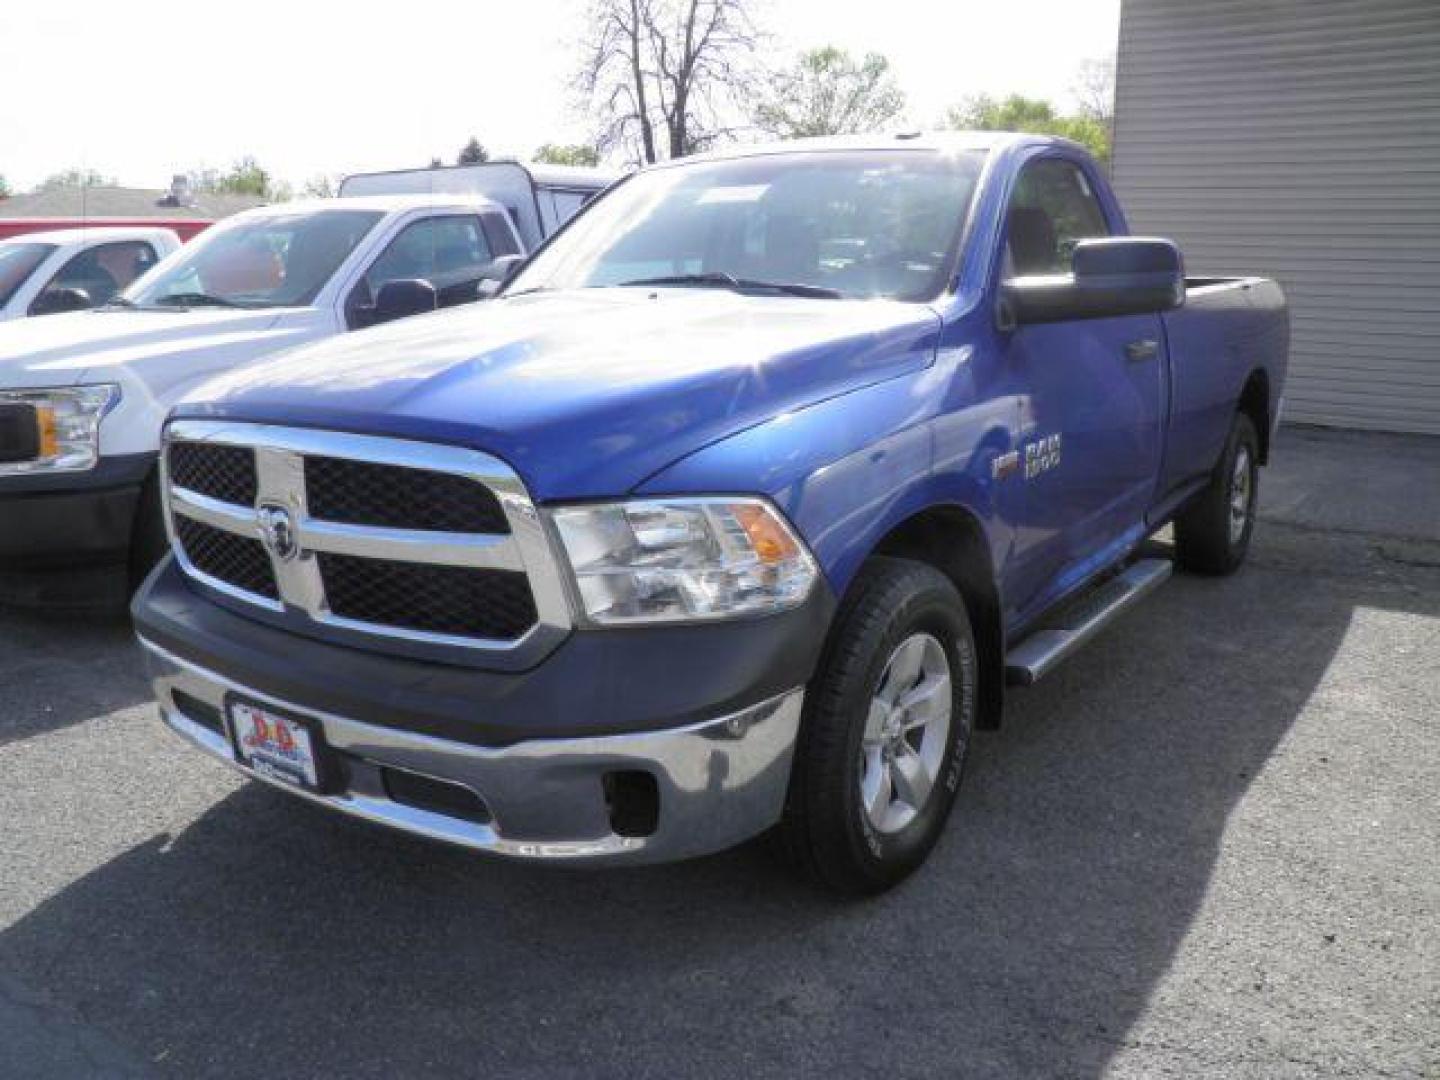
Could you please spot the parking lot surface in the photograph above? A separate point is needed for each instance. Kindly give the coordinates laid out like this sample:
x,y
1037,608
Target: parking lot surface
x,y
1206,846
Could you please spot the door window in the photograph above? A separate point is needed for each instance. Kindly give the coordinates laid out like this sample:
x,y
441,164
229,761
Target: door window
x,y
451,253
1053,208
103,271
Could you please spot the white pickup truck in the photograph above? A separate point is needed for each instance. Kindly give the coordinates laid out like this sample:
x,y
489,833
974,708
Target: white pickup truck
x,y
44,273
83,395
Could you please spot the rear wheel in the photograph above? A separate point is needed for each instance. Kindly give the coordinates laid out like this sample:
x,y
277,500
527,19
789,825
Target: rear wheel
x,y
1213,534
887,724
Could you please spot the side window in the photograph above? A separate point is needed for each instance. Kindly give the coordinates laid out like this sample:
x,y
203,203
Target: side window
x,y
498,235
449,252
103,271
568,204
1053,208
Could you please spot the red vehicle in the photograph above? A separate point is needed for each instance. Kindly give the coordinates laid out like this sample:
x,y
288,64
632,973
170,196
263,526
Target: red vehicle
x,y
185,228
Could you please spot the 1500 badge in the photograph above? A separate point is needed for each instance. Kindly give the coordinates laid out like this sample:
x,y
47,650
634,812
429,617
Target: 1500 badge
x,y
1041,456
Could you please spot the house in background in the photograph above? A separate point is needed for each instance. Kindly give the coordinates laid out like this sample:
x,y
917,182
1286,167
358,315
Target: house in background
x,y
1300,139
186,211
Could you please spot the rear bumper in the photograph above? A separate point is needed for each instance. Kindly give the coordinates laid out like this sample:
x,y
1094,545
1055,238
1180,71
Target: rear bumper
x,y
52,526
719,781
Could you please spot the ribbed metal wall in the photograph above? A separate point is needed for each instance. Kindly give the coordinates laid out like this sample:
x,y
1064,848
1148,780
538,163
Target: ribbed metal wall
x,y
1300,139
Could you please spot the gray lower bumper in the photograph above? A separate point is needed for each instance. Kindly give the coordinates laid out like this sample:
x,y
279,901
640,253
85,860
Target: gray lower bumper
x,y
720,782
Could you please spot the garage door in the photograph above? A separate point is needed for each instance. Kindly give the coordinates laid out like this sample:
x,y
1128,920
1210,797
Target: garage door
x,y
1300,139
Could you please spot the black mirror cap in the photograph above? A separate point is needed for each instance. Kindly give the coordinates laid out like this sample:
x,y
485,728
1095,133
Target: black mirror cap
x,y
403,298
56,301
1114,255
1120,275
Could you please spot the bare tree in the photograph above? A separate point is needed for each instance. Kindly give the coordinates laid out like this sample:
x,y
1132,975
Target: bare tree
x,y
614,78
662,74
1094,89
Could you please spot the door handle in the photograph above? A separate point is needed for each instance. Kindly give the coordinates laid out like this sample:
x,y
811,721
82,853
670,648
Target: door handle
x,y
1144,349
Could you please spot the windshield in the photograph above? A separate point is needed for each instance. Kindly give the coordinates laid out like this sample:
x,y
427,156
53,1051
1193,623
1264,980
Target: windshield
x,y
275,260
18,262
866,224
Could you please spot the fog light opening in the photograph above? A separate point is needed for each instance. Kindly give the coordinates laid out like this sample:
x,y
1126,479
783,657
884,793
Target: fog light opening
x,y
198,712
633,800
436,796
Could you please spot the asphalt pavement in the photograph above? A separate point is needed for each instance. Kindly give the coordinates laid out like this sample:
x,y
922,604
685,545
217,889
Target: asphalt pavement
x,y
1206,846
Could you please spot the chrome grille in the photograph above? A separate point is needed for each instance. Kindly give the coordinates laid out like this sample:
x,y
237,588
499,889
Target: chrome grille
x,y
436,599
226,473
363,493
383,542
239,560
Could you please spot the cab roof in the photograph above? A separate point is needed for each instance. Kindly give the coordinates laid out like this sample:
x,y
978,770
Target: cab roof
x,y
386,204
939,141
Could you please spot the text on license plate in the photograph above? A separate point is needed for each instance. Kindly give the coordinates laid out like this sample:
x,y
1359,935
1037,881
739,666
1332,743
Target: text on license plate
x,y
273,745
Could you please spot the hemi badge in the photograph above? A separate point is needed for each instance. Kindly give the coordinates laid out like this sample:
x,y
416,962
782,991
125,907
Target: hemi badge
x,y
1005,464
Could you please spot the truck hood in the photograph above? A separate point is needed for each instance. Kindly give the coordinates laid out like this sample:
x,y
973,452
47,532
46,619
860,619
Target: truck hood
x,y
101,346
585,393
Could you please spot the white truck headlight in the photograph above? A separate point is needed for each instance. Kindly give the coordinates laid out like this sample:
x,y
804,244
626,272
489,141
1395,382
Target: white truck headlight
x,y
683,560
55,430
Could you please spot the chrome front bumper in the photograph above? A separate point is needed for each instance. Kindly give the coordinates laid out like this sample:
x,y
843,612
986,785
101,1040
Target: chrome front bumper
x,y
720,782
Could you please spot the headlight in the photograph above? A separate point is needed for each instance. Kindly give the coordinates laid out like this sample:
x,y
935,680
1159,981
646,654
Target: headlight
x,y
52,430
672,560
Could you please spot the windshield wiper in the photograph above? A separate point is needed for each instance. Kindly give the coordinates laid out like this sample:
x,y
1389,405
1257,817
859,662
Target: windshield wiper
x,y
196,299
718,279
119,301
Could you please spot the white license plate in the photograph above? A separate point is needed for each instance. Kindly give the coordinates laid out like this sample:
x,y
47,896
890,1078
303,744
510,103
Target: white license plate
x,y
274,745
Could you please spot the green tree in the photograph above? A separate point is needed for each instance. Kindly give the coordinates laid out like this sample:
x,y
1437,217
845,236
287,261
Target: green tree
x,y
321,186
4,187
563,154
829,92
245,177
472,153
1019,113
76,177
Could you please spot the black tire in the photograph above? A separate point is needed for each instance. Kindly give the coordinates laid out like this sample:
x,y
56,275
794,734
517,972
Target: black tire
x,y
826,829
1208,537
148,541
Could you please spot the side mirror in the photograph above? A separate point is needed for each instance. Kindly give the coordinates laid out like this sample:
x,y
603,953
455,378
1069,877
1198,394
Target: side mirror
x,y
1121,275
501,272
403,298
55,301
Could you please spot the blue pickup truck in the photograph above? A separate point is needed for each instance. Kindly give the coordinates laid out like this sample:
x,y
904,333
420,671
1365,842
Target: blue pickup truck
x,y
738,511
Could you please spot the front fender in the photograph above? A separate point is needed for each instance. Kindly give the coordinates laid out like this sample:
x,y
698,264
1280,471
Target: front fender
x,y
848,471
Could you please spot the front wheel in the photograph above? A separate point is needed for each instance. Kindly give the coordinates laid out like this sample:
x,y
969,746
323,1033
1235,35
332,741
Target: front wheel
x,y
1213,534
887,724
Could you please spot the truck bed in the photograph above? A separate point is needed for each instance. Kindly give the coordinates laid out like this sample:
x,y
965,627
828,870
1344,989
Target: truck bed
x,y
1227,328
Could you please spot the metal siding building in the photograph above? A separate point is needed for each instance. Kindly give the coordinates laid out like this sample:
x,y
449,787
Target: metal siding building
x,y
1300,139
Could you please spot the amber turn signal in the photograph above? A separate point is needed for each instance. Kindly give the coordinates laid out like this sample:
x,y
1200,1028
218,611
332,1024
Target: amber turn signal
x,y
767,536
45,424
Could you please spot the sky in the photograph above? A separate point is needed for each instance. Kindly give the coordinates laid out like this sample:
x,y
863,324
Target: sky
x,y
142,91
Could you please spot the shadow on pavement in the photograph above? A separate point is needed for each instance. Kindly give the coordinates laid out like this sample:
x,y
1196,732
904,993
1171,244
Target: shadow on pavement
x,y
56,671
270,939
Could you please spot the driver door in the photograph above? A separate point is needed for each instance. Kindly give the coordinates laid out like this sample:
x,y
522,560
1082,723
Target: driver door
x,y
1091,421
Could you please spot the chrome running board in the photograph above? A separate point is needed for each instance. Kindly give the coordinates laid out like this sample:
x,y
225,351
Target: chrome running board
x,y
1079,620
